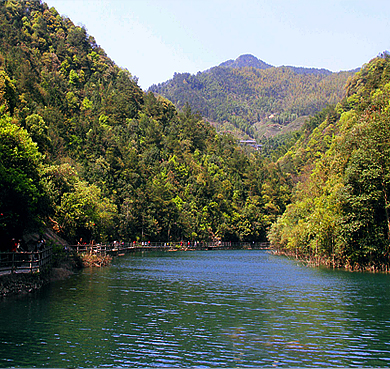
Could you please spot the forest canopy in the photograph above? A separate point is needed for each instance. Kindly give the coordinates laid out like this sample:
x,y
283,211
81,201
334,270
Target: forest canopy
x,y
86,152
339,214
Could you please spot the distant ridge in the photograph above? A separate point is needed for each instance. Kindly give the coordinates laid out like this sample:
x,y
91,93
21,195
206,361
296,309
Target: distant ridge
x,y
305,70
249,60
251,98
246,60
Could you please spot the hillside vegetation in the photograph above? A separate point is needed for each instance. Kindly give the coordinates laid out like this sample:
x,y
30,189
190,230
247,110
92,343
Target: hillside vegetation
x,y
85,151
340,209
251,98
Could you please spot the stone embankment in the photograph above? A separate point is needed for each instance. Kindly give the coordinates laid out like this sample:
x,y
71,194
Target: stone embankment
x,y
63,265
16,284
22,283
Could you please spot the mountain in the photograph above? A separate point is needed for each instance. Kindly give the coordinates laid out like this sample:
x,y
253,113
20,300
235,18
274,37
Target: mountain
x,y
249,97
246,60
86,152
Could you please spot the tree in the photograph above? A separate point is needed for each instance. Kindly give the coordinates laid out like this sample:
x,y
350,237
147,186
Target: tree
x,y
38,131
8,96
366,198
20,187
84,213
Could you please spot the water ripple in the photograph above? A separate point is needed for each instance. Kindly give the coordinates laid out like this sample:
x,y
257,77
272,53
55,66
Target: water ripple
x,y
202,309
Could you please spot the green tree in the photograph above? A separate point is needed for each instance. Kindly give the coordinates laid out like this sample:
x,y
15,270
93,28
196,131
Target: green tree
x,y
8,96
38,131
84,213
20,188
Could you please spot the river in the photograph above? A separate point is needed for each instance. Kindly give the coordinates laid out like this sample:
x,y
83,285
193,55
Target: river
x,y
201,309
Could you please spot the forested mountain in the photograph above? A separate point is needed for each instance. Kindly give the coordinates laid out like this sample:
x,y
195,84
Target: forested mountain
x,y
341,166
249,97
85,151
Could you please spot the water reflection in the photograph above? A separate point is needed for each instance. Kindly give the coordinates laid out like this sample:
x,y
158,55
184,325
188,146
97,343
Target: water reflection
x,y
214,308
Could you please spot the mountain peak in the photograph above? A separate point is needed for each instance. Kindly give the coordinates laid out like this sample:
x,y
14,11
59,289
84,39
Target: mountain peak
x,y
246,60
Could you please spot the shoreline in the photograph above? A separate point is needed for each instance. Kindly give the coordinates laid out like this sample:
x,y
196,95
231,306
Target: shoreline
x,y
336,264
23,283
63,267
68,264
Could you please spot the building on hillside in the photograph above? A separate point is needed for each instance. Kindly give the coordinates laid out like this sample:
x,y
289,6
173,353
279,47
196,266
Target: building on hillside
x,y
251,143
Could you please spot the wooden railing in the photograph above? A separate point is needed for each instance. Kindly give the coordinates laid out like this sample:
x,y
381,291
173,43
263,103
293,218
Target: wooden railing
x,y
36,261
25,261
119,247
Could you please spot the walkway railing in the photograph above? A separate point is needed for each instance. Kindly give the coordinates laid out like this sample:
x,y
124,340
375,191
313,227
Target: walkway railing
x,y
120,247
25,261
36,261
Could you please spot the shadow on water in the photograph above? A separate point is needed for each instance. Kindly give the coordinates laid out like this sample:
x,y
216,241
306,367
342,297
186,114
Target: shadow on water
x,y
201,308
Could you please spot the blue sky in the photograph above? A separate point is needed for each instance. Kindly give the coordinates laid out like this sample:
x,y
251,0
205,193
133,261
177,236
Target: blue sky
x,y
153,39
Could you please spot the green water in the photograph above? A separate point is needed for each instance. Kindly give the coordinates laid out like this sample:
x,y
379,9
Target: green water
x,y
201,309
